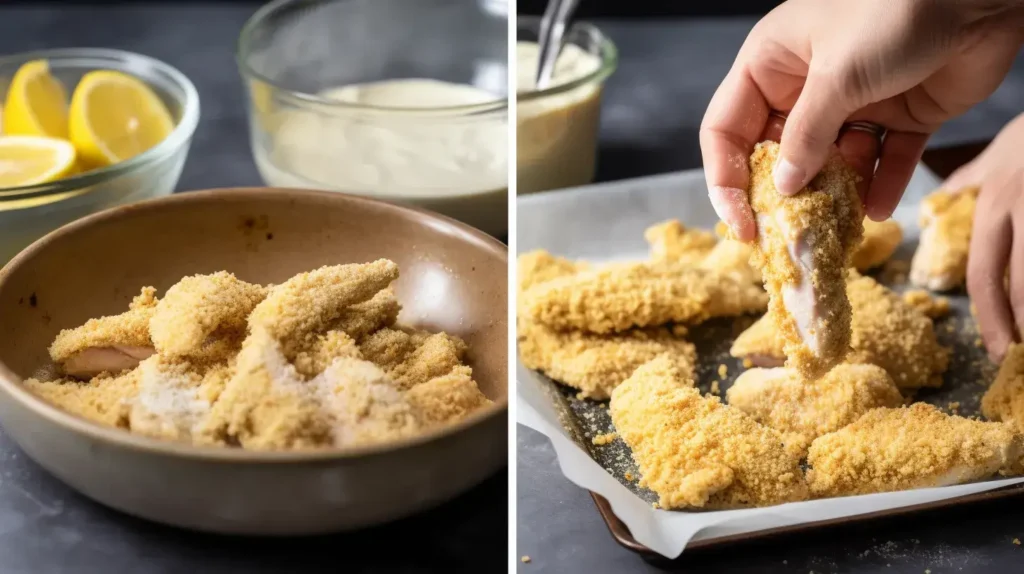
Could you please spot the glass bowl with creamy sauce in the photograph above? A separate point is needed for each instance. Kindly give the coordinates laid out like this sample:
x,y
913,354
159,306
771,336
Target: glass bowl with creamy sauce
x,y
402,100
30,212
556,128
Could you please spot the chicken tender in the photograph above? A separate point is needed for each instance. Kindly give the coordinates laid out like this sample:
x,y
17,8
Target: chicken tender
x,y
696,452
109,344
447,398
940,262
1004,400
886,332
197,306
361,319
919,446
624,296
413,357
804,247
801,411
175,397
596,364
671,242
732,257
536,267
881,239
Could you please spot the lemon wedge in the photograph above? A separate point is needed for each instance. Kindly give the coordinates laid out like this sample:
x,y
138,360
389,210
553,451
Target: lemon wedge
x,y
115,117
37,103
31,160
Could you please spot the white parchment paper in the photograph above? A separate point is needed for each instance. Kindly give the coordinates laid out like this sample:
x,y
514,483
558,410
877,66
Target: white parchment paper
x,y
605,222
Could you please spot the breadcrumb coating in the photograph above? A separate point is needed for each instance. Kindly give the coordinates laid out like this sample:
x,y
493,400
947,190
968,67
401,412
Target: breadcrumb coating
x,y
624,296
174,397
671,242
946,217
361,319
804,248
697,452
801,411
760,344
881,239
413,357
129,329
106,399
919,446
195,307
536,267
1004,400
732,257
596,364
448,398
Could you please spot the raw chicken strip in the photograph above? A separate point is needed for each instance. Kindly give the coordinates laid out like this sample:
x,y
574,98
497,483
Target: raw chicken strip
x,y
696,452
801,411
940,262
804,247
918,446
1004,400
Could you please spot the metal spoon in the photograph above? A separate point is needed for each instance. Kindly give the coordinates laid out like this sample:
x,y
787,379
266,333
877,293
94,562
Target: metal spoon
x,y
552,31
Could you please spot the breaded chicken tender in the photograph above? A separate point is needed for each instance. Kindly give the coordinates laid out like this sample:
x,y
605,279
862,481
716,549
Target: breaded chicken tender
x,y
536,267
671,242
933,307
804,247
919,446
596,364
109,344
195,307
175,397
1004,400
946,217
732,257
696,452
623,296
361,319
412,357
106,399
801,411
881,239
886,332
447,398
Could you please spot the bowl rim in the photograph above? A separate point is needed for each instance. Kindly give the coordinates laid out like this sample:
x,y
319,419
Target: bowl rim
x,y
609,60
242,53
179,137
11,383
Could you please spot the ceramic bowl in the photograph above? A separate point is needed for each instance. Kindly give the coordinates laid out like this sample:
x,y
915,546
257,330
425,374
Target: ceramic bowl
x,y
452,278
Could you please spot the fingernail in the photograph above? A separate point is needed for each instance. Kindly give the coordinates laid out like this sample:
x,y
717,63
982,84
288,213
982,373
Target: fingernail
x,y
789,178
878,214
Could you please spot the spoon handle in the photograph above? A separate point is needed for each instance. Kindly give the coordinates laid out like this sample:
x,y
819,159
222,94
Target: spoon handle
x,y
552,30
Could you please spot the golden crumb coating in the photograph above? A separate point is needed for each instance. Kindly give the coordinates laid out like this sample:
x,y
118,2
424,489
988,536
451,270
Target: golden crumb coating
x,y
881,239
918,446
536,267
801,411
412,357
106,399
174,397
804,247
730,256
671,242
596,364
623,296
361,319
447,398
760,344
315,357
697,452
1004,400
312,301
363,404
933,307
940,262
195,307
129,329
895,336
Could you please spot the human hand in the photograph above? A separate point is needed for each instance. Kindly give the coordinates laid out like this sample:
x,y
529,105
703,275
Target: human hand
x,y
908,66
997,237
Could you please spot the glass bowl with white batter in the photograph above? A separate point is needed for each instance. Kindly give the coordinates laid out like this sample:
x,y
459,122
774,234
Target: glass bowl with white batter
x,y
557,127
402,100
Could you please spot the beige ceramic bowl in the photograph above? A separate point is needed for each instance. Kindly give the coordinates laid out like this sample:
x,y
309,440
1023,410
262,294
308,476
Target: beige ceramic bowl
x,y
452,278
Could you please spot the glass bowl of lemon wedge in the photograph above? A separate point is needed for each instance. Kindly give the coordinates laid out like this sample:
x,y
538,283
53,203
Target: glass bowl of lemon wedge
x,y
85,129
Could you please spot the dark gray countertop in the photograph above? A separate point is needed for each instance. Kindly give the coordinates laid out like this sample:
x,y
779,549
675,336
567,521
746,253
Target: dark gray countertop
x,y
652,110
45,528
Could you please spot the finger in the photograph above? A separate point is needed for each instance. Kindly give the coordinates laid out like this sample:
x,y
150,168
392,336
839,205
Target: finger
x,y
986,266
860,149
735,118
965,176
1017,269
811,129
901,151
773,129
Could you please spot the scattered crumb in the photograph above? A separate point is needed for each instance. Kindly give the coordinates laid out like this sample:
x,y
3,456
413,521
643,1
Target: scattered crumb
x,y
655,505
580,396
723,370
603,439
954,407
1016,541
747,363
715,390
979,343
525,559
629,476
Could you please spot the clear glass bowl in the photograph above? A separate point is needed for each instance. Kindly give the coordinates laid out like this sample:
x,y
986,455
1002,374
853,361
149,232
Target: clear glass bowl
x,y
412,148
27,213
557,128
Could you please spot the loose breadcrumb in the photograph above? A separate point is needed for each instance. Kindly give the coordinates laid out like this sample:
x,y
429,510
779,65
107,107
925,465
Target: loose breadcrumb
x,y
603,439
1016,541
525,559
723,370
715,389
698,452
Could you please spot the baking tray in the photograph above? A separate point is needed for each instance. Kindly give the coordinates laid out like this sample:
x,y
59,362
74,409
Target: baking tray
x,y
541,224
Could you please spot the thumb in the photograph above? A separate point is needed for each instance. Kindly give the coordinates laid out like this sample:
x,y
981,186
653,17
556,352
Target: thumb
x,y
811,129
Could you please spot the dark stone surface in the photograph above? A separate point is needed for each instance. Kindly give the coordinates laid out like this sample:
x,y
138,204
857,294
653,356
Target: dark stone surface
x,y
652,110
46,528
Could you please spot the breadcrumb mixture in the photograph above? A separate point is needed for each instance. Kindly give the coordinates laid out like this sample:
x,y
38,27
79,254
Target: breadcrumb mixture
x,y
697,452
805,244
315,362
